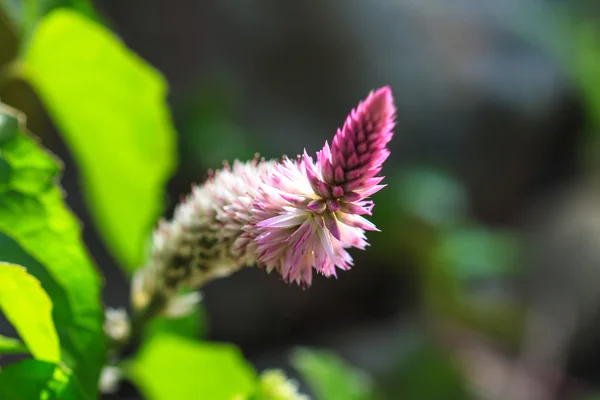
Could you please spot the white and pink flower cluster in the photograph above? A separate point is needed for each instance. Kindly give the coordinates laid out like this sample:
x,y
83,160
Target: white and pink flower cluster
x,y
290,216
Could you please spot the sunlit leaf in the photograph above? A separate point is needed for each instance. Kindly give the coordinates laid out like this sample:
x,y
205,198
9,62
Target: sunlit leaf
x,y
42,233
169,367
29,309
38,380
191,326
110,106
275,385
330,378
10,345
188,320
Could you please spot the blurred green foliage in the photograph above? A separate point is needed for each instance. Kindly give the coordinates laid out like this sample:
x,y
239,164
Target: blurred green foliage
x,y
111,108
478,253
584,67
34,379
331,378
34,217
274,385
171,367
208,132
430,195
467,270
10,345
428,372
190,326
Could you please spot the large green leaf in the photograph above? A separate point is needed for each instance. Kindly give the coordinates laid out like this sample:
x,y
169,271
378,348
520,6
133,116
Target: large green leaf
x,y
29,309
169,367
110,106
38,380
330,378
191,326
41,232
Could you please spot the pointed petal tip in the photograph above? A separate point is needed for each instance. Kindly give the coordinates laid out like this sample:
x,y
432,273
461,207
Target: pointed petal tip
x,y
384,90
384,93
332,225
306,156
384,99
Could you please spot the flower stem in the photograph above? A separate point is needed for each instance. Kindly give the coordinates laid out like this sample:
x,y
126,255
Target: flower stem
x,y
139,321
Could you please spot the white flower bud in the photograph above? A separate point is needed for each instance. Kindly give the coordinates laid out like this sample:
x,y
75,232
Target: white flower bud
x,y
116,324
274,385
110,377
182,305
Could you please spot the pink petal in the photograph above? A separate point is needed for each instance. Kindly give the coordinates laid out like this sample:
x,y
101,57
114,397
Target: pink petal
x,y
331,224
317,206
282,221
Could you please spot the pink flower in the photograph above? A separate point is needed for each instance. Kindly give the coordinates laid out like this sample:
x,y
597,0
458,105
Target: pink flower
x,y
309,212
289,216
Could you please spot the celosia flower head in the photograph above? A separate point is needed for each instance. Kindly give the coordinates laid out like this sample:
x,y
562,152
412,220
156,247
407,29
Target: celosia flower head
x,y
310,212
291,216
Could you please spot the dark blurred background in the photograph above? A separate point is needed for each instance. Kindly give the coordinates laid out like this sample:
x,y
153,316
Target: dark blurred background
x,y
488,260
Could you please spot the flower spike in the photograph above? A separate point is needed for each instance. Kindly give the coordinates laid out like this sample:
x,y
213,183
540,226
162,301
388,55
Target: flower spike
x,y
291,216
335,188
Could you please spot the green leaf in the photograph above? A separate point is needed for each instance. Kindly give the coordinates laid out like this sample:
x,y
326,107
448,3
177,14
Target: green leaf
x,y
469,276
29,309
330,378
585,67
428,372
191,326
39,231
10,345
33,379
110,106
9,124
169,367
474,253
431,196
